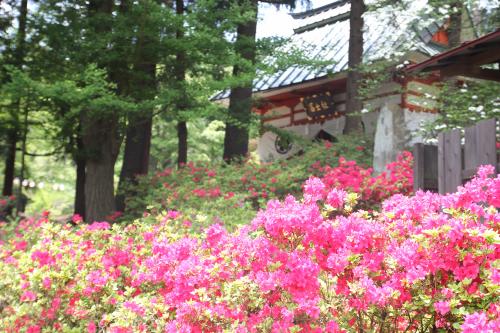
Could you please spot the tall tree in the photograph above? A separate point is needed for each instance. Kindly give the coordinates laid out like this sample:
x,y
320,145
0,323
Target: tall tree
x,y
354,103
13,130
240,98
180,75
100,134
143,80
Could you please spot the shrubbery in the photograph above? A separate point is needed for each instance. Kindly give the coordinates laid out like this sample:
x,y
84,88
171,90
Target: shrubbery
x,y
231,194
317,264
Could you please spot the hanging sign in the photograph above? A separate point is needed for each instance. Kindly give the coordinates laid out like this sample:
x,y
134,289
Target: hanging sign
x,y
319,105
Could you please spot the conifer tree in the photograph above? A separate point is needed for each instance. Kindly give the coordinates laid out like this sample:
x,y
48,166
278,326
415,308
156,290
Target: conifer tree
x,y
240,98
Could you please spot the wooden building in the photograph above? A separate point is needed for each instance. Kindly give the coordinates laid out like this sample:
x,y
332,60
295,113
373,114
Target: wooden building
x,y
311,103
457,156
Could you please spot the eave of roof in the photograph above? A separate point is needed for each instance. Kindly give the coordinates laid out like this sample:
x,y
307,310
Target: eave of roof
x,y
443,59
327,21
318,10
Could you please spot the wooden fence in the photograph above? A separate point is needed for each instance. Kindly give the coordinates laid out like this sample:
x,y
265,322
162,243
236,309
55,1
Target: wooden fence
x,y
454,160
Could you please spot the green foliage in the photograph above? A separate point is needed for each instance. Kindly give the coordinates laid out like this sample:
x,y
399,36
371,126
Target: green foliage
x,y
465,104
204,142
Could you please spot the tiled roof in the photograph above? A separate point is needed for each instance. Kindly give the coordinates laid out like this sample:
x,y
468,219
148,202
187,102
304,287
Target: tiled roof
x,y
325,31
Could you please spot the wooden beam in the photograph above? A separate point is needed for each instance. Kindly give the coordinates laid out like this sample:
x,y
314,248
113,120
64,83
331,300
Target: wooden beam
x,y
482,56
485,56
484,74
471,71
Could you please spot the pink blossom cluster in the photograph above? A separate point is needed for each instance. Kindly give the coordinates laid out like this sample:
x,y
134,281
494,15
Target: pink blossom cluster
x,y
421,263
372,188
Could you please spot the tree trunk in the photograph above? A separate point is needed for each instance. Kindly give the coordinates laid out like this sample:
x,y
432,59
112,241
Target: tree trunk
x,y
354,104
182,135
138,140
100,133
10,162
21,199
13,135
240,99
135,158
455,28
80,179
21,34
99,190
101,143
20,54
180,75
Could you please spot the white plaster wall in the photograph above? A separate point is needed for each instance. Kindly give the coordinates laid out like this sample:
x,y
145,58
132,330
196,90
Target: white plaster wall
x,y
298,107
334,127
279,111
266,148
414,121
300,116
281,122
378,102
430,90
422,101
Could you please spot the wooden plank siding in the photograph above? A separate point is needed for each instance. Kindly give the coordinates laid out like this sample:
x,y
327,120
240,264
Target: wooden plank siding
x,y
425,167
451,163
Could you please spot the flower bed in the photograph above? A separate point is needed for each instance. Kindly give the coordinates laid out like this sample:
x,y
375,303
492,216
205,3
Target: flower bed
x,y
420,264
232,194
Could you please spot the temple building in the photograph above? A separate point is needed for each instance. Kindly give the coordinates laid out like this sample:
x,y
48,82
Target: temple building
x,y
311,102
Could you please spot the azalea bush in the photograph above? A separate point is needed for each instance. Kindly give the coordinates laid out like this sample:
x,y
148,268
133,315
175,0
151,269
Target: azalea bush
x,y
231,194
311,263
372,189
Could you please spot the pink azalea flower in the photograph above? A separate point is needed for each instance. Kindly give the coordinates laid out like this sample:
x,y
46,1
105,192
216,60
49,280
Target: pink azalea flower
x,y
442,307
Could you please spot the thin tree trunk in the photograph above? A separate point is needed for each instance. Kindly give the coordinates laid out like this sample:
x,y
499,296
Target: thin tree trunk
x,y
21,35
13,134
80,178
10,162
21,202
20,54
182,135
180,75
240,99
354,104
